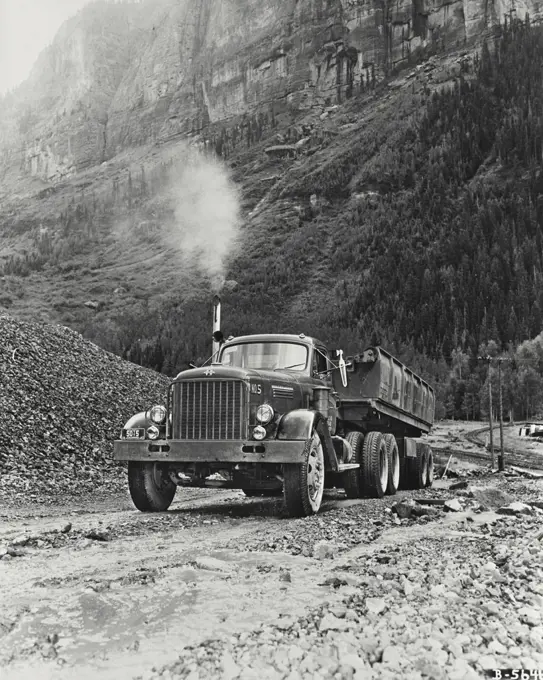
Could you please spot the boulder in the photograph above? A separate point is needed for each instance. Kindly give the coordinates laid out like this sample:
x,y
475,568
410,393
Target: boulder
x,y
516,508
375,605
490,496
453,505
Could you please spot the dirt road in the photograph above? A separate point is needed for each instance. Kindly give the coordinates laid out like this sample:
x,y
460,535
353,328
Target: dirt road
x,y
94,588
156,583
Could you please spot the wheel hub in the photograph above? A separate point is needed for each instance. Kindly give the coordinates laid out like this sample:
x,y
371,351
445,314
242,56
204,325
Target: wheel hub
x,y
159,478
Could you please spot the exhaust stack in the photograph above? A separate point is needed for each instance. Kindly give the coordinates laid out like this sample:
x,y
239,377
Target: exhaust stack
x,y
217,335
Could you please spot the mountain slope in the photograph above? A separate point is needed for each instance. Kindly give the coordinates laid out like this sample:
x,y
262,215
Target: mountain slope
x,y
408,214
121,75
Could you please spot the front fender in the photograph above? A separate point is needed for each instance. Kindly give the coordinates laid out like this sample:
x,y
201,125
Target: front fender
x,y
300,424
137,420
297,424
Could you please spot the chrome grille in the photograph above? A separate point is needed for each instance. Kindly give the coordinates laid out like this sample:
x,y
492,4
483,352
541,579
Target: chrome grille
x,y
209,409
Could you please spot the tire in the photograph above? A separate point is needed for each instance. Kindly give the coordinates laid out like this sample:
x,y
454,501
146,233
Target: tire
x,y
418,467
352,479
430,480
405,474
150,486
374,466
303,485
393,456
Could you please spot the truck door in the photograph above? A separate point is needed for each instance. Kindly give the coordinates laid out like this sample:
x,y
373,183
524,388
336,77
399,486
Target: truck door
x,y
322,373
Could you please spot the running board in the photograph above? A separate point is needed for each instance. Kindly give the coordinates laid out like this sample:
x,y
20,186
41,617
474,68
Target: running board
x,y
347,466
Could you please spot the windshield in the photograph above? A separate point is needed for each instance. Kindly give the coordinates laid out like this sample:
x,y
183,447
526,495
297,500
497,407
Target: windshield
x,y
266,355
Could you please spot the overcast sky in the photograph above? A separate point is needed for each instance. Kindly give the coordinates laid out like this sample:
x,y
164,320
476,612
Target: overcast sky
x,y
26,27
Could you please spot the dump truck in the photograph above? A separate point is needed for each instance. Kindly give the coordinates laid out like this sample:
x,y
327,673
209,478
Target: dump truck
x,y
279,414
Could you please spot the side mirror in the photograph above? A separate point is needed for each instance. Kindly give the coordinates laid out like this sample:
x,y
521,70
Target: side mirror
x,y
342,368
218,337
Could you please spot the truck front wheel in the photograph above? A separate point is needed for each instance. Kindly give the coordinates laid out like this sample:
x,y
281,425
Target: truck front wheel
x,y
374,465
304,482
150,486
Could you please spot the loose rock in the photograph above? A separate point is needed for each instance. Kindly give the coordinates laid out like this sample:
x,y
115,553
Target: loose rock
x,y
516,508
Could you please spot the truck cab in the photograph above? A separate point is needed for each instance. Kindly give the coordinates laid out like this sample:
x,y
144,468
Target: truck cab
x,y
284,372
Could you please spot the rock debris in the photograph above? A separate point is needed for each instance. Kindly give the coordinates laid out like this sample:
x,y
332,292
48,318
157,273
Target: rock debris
x,y
441,607
63,401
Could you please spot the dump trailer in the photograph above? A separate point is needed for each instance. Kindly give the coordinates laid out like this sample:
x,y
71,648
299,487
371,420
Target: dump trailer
x,y
282,414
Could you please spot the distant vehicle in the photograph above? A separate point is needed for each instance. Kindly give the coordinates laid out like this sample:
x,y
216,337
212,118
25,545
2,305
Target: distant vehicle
x,y
281,413
531,430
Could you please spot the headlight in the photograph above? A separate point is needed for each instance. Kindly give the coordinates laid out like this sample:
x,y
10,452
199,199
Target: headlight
x,y
157,414
264,414
259,432
153,432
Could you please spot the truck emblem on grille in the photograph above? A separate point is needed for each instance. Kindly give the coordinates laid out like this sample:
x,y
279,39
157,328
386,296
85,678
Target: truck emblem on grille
x,y
209,371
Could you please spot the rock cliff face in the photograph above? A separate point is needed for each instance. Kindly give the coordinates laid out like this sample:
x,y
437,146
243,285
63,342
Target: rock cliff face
x,y
119,76
55,122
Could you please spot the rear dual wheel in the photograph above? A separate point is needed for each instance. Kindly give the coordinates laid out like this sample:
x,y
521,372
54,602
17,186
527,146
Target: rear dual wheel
x,y
374,465
419,471
393,456
352,479
369,479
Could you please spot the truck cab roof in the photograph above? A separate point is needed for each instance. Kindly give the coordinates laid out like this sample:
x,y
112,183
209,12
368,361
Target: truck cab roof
x,y
277,337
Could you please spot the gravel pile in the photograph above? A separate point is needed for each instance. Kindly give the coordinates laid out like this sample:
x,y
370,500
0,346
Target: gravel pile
x,y
63,401
450,604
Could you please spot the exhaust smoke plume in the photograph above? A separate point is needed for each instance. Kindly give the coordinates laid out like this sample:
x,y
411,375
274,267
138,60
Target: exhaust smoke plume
x,y
206,208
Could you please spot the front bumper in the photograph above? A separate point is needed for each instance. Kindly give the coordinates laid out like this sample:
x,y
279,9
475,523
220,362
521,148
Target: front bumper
x,y
235,451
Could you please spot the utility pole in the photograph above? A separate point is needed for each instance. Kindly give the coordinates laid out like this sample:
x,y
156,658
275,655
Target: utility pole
x,y
501,460
492,457
501,456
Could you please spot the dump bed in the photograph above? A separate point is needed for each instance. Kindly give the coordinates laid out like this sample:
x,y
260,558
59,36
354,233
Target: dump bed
x,y
377,378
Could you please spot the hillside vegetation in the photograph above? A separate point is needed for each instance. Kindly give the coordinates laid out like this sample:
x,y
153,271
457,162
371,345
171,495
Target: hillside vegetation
x,y
416,223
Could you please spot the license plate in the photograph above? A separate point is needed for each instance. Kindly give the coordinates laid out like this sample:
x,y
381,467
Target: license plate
x,y
134,433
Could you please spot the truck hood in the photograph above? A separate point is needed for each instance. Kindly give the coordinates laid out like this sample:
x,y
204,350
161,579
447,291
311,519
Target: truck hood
x,y
218,371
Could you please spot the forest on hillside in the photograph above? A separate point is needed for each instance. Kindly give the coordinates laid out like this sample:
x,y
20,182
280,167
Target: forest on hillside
x,y
444,262
447,260
427,239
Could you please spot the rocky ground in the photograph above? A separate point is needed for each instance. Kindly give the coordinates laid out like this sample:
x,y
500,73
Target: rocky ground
x,y
443,583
